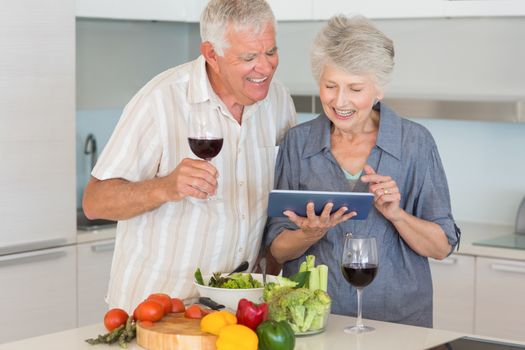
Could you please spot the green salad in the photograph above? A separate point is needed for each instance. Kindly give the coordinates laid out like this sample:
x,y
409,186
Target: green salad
x,y
237,280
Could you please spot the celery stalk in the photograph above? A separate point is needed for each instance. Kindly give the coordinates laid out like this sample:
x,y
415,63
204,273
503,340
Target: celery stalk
x,y
310,262
323,277
302,267
314,279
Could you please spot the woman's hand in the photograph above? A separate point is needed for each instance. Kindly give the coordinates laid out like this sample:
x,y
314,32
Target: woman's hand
x,y
315,227
386,193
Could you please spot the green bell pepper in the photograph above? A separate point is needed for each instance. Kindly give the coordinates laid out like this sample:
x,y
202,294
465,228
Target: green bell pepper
x,y
275,335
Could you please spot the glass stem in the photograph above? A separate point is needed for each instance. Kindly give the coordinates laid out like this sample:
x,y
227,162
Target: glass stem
x,y
359,321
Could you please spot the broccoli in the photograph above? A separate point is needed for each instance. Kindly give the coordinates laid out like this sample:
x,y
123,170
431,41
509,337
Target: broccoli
x,y
322,296
303,308
271,287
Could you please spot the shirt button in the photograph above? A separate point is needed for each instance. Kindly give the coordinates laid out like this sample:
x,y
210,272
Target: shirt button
x,y
241,183
240,250
243,216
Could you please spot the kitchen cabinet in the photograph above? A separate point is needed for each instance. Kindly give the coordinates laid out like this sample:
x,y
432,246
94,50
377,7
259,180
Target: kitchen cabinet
x,y
303,10
37,293
37,118
483,8
324,9
94,265
292,10
454,281
500,305
161,10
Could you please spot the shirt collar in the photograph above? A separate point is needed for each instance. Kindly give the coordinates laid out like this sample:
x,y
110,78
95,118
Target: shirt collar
x,y
388,137
390,131
200,90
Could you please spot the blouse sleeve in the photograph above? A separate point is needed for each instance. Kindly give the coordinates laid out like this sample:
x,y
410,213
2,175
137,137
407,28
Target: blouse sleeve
x,y
434,200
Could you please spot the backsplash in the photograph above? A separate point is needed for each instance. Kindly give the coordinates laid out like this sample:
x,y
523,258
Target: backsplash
x,y
484,161
100,123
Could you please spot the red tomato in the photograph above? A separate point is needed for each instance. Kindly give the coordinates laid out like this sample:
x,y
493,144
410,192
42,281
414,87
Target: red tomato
x,y
162,299
193,311
115,318
149,310
177,305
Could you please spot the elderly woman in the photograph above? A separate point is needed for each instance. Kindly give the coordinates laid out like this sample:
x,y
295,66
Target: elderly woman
x,y
359,144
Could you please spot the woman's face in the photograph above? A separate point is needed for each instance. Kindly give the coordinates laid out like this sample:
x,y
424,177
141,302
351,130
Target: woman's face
x,y
347,99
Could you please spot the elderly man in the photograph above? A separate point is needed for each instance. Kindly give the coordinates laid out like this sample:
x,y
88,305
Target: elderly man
x,y
148,179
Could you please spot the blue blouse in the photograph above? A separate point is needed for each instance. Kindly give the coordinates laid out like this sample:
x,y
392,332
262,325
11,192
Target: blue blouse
x,y
405,150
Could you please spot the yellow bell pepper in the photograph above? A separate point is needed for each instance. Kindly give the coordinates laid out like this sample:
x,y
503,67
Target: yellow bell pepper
x,y
237,337
214,322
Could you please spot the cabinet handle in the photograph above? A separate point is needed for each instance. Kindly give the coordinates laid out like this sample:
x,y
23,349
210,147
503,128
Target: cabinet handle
x,y
104,247
30,257
508,268
448,261
26,247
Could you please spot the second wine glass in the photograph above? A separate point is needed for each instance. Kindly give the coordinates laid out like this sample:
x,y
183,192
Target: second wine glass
x,y
359,267
205,135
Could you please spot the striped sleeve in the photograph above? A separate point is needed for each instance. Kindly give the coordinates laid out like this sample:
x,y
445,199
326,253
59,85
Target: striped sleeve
x,y
134,149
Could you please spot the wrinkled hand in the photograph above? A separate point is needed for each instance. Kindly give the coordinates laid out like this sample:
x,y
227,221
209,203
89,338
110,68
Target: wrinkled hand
x,y
192,177
386,193
315,227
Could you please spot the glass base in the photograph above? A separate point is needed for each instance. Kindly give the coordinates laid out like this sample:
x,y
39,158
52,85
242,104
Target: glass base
x,y
358,329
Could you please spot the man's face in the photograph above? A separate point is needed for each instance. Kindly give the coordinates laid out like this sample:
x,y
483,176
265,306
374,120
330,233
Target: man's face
x,y
244,73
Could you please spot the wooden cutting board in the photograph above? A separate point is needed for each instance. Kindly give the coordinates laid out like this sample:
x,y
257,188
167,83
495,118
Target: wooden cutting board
x,y
175,332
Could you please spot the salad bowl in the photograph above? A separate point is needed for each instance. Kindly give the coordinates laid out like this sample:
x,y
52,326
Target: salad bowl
x,y
230,297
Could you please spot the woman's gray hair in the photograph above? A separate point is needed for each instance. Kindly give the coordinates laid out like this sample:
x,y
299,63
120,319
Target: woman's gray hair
x,y
354,45
241,14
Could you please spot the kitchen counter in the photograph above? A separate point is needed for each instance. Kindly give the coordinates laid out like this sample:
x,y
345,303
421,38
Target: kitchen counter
x,y
390,336
473,232
96,235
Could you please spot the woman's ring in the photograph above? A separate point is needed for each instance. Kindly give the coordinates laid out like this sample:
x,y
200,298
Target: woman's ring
x,y
385,191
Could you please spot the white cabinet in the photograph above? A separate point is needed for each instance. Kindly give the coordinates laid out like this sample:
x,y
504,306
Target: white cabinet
x,y
94,265
301,10
500,301
292,10
37,125
161,10
37,293
324,9
483,8
454,281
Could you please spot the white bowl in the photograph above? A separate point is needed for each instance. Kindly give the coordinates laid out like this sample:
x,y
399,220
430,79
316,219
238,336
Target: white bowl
x,y
230,297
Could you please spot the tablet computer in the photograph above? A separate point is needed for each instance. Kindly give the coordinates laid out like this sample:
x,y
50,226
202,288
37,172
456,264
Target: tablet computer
x,y
281,200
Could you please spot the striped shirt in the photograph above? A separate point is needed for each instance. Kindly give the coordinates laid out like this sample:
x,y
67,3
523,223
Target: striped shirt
x,y
158,251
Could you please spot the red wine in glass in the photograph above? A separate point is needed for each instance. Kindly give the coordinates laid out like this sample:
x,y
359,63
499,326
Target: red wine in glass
x,y
359,275
205,148
359,268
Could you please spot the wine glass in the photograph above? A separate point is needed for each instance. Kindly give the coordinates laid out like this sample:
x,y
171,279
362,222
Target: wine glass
x,y
359,267
204,135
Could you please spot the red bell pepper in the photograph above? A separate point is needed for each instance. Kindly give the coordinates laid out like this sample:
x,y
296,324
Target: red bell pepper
x,y
250,314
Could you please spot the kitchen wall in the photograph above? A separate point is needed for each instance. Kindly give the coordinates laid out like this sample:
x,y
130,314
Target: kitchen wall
x,y
474,59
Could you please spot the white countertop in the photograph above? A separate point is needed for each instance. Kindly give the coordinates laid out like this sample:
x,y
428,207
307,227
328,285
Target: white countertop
x,y
390,336
96,235
471,232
